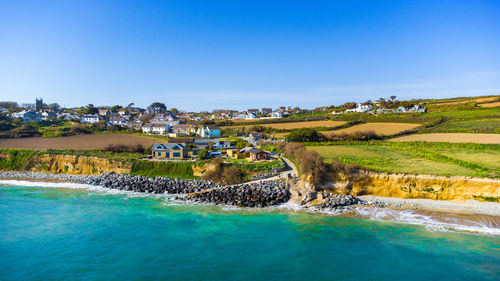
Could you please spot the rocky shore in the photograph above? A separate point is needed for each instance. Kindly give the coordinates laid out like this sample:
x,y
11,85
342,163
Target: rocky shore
x,y
256,194
260,194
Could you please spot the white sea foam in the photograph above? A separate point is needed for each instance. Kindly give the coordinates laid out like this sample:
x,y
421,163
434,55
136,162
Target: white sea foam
x,y
71,185
433,223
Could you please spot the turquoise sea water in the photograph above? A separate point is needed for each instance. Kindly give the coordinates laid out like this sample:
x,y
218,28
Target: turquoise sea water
x,y
77,234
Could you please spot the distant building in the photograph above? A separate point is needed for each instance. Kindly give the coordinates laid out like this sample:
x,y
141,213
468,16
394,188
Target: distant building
x,y
277,114
48,115
255,154
116,120
361,108
103,111
208,132
39,104
90,119
28,116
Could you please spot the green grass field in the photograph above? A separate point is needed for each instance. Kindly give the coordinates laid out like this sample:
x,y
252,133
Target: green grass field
x,y
417,158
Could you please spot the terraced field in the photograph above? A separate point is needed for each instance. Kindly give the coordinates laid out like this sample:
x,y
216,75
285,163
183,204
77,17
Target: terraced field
x,y
378,128
452,137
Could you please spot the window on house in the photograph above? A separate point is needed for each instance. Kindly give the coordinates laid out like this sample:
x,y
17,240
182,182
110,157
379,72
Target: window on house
x,y
167,154
159,154
177,154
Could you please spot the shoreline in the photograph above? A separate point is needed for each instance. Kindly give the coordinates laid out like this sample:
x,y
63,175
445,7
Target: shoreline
x,y
442,216
465,207
198,194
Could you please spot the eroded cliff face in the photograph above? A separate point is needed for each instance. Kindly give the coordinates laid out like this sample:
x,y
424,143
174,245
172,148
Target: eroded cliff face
x,y
419,187
77,165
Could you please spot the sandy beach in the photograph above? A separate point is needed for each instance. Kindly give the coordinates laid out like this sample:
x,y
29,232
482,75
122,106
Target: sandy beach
x,y
468,206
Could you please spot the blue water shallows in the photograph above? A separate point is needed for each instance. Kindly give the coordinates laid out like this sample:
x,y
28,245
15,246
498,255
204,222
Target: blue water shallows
x,y
78,234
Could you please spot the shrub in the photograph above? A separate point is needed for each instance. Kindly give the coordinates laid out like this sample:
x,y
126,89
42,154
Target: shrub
x,y
304,135
223,173
356,136
203,154
116,148
310,163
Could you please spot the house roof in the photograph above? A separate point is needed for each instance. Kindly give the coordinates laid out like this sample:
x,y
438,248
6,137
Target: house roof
x,y
167,146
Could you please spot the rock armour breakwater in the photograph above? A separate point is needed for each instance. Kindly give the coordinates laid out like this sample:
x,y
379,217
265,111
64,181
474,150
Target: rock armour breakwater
x,y
261,194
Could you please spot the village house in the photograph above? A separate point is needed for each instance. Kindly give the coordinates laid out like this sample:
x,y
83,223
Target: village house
x,y
4,110
28,116
255,154
103,111
277,114
235,153
90,119
266,110
254,137
180,130
124,112
48,115
173,151
208,132
361,108
116,120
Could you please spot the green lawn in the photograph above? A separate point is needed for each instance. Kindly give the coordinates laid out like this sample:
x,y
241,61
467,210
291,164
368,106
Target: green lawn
x,y
416,158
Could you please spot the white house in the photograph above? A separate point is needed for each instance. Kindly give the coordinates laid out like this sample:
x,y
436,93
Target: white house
x,y
361,108
116,120
28,116
90,119
207,132
251,115
277,114
47,115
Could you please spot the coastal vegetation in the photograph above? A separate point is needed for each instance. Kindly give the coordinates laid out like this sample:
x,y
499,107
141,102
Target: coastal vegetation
x,y
183,170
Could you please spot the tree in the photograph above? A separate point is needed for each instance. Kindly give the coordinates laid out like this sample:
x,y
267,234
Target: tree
x,y
210,145
349,105
174,110
115,108
130,105
9,104
158,107
90,109
54,106
203,154
392,98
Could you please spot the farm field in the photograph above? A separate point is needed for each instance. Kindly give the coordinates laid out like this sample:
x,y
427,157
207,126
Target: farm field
x,y
451,137
296,125
78,142
478,100
378,128
417,158
482,125
492,104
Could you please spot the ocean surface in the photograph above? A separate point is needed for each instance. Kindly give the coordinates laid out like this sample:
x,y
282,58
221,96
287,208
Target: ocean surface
x,y
71,232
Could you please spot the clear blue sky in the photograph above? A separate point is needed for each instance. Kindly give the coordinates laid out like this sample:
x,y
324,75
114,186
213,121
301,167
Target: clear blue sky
x,y
202,55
